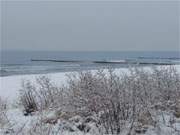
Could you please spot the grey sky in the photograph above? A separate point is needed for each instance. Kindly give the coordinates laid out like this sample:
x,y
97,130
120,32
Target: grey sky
x,y
93,26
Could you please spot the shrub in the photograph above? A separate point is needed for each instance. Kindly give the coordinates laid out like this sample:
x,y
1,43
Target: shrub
x,y
121,99
116,100
3,118
41,95
28,97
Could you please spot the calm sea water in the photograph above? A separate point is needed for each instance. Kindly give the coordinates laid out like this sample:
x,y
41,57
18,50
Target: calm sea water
x,y
19,62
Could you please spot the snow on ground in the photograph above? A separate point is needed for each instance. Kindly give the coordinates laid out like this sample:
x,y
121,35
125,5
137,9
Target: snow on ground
x,y
10,85
9,89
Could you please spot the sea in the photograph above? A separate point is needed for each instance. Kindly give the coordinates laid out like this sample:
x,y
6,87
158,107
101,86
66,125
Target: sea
x,y
42,62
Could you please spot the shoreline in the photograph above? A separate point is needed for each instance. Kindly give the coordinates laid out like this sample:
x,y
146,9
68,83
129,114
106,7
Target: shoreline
x,y
126,66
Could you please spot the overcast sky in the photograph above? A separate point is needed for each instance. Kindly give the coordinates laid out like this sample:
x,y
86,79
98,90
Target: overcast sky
x,y
90,26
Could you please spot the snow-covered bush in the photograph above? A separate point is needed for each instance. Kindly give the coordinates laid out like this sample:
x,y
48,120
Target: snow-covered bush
x,y
166,85
125,98
41,95
3,117
118,102
28,97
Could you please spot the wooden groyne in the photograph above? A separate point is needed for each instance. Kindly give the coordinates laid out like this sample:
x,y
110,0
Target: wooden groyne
x,y
106,62
50,60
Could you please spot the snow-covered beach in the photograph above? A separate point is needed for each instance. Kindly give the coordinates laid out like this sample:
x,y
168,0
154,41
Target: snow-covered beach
x,y
10,85
9,91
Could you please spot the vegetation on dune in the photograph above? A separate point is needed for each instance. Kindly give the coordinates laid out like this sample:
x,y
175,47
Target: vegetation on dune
x,y
116,104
